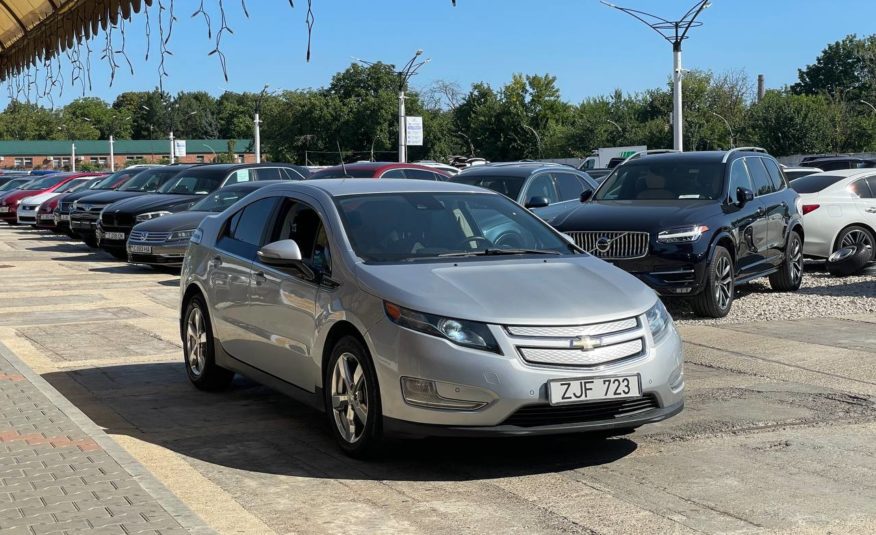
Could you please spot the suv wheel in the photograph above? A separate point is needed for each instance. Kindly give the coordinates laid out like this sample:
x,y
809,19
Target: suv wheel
x,y
199,349
717,297
352,398
790,275
858,236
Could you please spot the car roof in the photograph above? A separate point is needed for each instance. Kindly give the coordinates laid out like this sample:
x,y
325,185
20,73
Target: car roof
x,y
251,185
848,173
336,187
518,169
376,166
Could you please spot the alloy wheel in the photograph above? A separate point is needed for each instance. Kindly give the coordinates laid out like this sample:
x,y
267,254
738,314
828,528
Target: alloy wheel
x,y
723,282
196,341
349,391
796,259
856,237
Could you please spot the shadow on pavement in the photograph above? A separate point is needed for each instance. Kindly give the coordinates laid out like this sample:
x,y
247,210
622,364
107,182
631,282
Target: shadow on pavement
x,y
253,428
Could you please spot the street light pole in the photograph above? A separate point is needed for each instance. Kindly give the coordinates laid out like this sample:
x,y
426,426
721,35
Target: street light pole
x,y
172,155
872,107
537,138
675,32
257,129
726,122
112,154
73,157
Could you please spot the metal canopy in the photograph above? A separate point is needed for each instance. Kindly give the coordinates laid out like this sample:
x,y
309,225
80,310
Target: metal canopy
x,y
32,31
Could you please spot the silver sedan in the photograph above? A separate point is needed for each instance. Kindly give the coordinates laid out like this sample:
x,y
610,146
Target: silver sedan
x,y
388,305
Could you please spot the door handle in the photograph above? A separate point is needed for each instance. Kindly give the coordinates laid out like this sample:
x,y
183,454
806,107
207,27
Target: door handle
x,y
215,262
871,210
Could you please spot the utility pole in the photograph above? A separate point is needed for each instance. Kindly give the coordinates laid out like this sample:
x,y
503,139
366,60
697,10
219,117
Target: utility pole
x,y
404,75
112,154
172,155
73,157
257,129
675,32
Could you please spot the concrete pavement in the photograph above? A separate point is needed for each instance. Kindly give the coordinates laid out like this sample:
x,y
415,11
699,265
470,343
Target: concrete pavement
x,y
776,437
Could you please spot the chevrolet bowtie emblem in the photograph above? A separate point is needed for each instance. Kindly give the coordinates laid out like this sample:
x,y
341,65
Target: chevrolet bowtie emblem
x,y
585,343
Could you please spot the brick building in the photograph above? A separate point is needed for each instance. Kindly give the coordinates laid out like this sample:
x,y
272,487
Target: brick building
x,y
50,154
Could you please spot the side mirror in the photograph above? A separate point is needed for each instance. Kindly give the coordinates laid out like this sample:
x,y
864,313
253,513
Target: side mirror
x,y
585,195
537,202
744,195
285,254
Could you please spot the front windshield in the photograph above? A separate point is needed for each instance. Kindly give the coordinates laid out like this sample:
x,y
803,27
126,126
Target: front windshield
x,y
403,227
114,179
192,183
664,181
45,183
150,180
70,186
508,186
220,200
82,185
15,184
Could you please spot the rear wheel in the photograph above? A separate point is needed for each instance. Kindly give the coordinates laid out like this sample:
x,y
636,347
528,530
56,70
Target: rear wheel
x,y
859,236
199,349
717,297
790,275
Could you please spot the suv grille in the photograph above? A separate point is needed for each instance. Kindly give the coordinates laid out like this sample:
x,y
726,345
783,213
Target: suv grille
x,y
612,245
591,346
594,411
148,237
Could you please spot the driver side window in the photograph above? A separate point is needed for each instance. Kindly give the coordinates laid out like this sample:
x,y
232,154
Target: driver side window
x,y
541,186
298,221
738,179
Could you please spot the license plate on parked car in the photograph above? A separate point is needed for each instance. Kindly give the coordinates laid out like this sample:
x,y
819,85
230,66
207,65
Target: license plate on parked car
x,y
46,217
112,236
65,217
4,209
146,249
594,389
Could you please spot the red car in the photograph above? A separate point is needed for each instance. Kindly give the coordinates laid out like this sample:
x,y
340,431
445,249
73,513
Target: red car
x,y
47,184
381,170
45,216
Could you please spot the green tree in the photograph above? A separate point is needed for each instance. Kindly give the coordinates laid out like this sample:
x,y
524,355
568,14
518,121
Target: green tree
x,y
786,124
846,67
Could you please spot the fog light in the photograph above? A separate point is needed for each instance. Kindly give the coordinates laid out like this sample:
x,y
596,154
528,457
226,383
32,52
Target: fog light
x,y
425,393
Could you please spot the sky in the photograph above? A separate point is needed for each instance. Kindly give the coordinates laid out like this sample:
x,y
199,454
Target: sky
x,y
591,49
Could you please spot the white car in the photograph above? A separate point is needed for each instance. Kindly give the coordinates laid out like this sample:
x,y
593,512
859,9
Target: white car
x,y
839,209
27,210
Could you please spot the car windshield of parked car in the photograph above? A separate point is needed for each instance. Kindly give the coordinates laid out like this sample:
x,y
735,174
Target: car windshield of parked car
x,y
220,200
192,183
15,184
508,186
45,183
149,180
82,185
114,179
405,227
70,186
663,181
815,183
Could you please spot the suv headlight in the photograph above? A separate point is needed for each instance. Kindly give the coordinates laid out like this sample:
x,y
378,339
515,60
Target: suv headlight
x,y
181,235
685,234
461,332
151,215
659,321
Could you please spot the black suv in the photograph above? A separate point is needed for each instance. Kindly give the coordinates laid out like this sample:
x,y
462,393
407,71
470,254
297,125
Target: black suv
x,y
695,224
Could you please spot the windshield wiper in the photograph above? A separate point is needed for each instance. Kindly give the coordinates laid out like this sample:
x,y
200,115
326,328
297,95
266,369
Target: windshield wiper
x,y
495,252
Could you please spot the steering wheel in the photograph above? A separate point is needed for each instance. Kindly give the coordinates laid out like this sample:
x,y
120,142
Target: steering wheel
x,y
469,239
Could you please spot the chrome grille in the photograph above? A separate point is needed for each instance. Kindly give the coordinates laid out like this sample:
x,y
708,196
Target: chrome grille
x,y
612,245
65,206
148,237
594,345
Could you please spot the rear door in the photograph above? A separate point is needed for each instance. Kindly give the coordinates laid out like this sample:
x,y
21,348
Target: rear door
x,y
779,209
865,190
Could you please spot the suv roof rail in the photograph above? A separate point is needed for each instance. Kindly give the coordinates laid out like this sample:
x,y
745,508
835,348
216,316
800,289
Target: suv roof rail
x,y
737,149
645,153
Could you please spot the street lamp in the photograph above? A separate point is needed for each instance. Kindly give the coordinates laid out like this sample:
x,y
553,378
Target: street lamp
x,y
537,138
675,32
726,122
470,144
410,69
257,129
872,107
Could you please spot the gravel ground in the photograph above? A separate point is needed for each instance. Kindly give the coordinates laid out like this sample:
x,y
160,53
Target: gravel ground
x,y
821,296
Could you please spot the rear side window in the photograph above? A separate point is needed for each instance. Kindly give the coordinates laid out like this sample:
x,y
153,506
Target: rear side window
x,y
269,173
241,175
420,174
763,185
861,189
814,183
872,183
569,186
393,173
738,179
775,174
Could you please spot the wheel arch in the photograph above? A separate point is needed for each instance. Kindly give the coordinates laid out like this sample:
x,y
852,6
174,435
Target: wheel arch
x,y
340,329
725,240
836,236
192,290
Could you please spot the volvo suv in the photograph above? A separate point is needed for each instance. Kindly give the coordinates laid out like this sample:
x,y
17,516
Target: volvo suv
x,y
695,224
387,304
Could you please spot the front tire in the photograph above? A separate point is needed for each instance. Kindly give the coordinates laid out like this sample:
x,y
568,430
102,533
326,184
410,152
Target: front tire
x,y
789,277
352,398
199,349
717,297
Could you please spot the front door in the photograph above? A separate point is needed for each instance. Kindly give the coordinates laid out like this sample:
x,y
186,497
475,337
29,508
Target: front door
x,y
287,299
749,222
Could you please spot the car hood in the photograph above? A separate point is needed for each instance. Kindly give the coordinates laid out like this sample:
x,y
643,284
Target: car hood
x,y
20,194
111,196
512,291
75,196
153,202
635,215
39,199
173,222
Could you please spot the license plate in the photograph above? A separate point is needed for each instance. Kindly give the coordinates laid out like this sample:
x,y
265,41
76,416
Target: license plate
x,y
65,217
146,249
46,217
594,389
4,209
112,236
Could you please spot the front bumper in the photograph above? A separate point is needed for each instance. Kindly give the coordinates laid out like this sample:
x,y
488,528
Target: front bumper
x,y
517,390
11,215
164,254
672,270
26,215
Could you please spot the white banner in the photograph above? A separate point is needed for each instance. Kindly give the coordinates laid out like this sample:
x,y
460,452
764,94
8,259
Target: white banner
x,y
179,147
414,131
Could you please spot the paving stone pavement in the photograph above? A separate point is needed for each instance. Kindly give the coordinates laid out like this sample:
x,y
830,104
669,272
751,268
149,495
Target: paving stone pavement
x,y
60,474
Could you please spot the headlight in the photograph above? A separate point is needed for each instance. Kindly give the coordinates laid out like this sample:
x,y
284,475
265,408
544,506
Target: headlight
x,y
181,235
197,235
461,332
682,234
659,321
151,215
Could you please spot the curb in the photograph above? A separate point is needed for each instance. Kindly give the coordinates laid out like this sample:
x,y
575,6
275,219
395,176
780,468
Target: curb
x,y
166,499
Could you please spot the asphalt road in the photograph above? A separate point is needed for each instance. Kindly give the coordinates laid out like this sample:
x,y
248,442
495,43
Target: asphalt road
x,y
777,435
